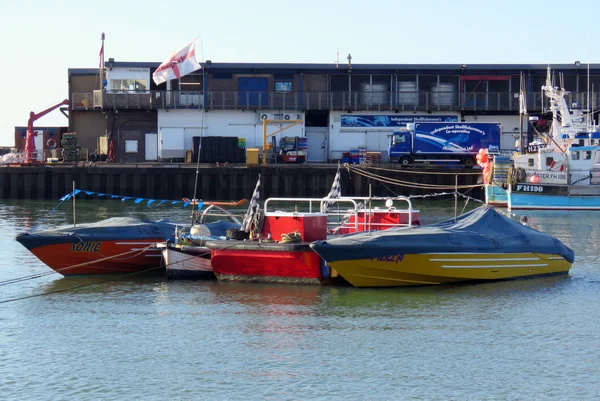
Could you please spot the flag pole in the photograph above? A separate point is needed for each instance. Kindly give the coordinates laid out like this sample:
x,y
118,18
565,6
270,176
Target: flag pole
x,y
101,68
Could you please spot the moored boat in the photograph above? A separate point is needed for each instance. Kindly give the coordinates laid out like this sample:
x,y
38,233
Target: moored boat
x,y
280,251
481,245
186,257
186,262
113,246
560,173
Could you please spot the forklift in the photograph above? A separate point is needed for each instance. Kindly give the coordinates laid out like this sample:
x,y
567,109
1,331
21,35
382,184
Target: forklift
x,y
290,150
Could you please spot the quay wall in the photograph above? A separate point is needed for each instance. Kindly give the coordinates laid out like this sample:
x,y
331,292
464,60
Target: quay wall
x,y
174,181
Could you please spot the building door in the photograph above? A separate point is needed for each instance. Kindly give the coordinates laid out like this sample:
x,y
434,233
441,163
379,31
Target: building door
x,y
316,142
171,143
252,92
151,147
39,144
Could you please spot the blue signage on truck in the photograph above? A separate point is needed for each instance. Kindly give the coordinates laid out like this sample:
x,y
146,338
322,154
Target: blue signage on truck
x,y
444,141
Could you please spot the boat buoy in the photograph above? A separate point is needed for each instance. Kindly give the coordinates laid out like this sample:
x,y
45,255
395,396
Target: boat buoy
x,y
534,179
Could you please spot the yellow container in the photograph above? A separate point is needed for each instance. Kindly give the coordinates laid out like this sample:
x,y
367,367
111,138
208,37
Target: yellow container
x,y
252,156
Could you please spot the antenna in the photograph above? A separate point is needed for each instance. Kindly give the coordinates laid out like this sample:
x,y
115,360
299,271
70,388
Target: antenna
x,y
337,59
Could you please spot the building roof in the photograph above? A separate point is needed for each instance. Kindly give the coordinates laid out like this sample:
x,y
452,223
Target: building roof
x,y
83,71
342,67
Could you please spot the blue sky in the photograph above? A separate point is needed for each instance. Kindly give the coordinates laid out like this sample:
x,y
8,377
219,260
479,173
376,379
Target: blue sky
x,y
40,40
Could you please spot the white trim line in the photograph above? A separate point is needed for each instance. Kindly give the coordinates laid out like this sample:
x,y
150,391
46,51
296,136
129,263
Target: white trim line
x,y
493,266
481,260
134,243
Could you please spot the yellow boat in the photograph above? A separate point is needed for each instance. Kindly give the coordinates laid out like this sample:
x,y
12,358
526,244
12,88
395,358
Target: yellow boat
x,y
481,245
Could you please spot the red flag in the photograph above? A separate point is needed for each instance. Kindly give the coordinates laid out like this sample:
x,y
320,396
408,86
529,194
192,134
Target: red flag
x,y
101,54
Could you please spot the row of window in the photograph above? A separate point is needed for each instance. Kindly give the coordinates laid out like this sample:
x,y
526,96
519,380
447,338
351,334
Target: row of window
x,y
141,85
128,85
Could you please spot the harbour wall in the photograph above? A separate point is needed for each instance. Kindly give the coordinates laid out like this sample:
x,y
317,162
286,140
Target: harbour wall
x,y
174,181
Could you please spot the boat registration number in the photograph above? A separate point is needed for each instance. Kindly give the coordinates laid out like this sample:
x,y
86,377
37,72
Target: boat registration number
x,y
91,246
529,188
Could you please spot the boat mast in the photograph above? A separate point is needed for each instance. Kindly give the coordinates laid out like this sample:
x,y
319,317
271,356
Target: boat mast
x,y
522,111
200,141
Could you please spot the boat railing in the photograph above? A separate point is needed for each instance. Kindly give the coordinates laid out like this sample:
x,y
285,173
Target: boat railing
x,y
357,205
221,213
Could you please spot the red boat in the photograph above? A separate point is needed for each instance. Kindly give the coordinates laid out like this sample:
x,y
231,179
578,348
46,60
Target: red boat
x,y
112,246
275,258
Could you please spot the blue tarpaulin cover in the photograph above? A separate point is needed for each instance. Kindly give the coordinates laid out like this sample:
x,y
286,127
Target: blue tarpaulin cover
x,y
482,230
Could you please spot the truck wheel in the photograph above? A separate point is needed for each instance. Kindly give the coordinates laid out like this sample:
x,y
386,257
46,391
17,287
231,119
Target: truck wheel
x,y
468,162
405,160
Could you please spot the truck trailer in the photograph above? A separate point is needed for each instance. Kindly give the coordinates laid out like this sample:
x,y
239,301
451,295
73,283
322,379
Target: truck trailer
x,y
452,142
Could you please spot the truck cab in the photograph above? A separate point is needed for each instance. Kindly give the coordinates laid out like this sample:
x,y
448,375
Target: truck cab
x,y
400,147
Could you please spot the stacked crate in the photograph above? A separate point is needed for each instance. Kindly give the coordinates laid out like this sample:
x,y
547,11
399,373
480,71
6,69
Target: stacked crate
x,y
373,157
362,154
70,148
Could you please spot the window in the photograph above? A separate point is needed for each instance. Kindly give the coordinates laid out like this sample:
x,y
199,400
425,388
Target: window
x,y
399,139
131,146
587,155
549,161
530,162
575,155
189,83
128,85
283,86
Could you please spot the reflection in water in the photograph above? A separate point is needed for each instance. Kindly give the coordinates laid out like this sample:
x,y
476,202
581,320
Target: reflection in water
x,y
265,341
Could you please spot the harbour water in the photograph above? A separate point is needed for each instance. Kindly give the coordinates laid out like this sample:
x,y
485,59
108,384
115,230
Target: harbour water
x,y
146,338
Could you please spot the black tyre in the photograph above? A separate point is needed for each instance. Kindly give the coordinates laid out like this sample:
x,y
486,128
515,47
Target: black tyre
x,y
468,162
405,160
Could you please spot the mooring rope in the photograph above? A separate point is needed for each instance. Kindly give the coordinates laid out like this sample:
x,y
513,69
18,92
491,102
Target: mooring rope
x,y
408,184
407,171
77,287
19,279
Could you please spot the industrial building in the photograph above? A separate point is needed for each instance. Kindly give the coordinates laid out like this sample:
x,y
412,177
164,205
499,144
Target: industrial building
x,y
340,107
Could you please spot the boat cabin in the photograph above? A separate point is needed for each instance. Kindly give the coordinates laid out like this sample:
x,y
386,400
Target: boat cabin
x,y
316,218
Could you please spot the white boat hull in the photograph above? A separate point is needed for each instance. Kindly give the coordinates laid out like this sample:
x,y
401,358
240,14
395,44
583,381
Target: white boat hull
x,y
182,265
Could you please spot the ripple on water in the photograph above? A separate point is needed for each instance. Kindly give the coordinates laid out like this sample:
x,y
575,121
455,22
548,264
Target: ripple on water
x,y
146,338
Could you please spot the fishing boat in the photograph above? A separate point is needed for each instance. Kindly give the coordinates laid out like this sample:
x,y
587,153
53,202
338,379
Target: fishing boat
x,y
560,173
185,256
280,251
112,246
481,245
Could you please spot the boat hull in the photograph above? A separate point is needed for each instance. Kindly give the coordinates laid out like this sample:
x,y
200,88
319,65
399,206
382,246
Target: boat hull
x,y
265,262
524,201
495,196
440,268
182,265
91,257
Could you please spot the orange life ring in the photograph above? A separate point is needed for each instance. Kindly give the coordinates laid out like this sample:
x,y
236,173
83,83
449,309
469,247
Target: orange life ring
x,y
51,143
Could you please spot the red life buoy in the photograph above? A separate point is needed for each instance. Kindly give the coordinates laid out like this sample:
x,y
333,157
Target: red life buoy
x,y
51,143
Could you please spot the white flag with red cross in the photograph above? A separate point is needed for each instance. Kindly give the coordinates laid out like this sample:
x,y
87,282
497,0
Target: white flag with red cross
x,y
178,64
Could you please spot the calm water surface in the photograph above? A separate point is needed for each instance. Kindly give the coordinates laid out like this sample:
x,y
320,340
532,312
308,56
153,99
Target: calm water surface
x,y
146,338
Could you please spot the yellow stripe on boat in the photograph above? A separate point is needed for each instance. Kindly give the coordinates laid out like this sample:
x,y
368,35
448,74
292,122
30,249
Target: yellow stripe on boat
x,y
436,268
